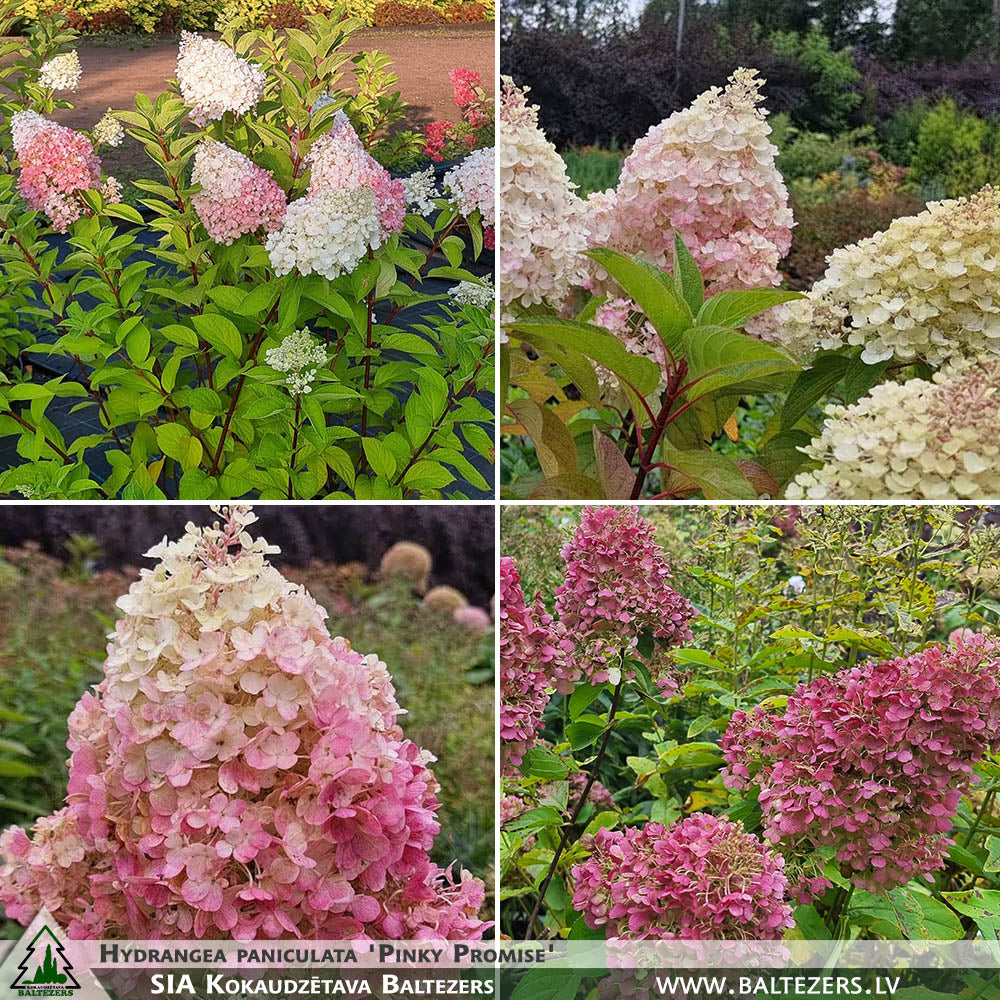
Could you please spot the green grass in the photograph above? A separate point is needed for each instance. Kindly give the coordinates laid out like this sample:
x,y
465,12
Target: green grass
x,y
52,639
594,168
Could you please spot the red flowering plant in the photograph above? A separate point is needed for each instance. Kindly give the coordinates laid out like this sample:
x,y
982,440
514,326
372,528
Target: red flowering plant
x,y
451,140
747,723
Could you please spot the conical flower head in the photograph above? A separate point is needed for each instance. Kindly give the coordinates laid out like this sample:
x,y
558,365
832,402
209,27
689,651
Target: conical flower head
x,y
237,773
706,173
542,229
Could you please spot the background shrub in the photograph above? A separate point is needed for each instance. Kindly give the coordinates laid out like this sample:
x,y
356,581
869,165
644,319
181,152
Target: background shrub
x,y
956,152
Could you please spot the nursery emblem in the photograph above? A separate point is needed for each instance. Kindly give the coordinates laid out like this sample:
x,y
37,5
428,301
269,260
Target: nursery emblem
x,y
44,970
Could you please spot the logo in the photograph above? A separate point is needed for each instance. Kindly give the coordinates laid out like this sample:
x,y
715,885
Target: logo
x,y
45,971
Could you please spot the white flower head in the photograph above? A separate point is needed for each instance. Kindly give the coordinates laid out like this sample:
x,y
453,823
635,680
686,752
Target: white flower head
x,y
421,190
298,357
474,293
214,79
111,190
61,72
109,131
472,186
328,233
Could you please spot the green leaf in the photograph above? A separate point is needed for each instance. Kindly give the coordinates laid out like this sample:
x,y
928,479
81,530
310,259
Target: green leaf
x,y
196,485
688,281
548,984
536,819
220,333
735,308
983,905
992,863
541,763
427,475
137,345
17,769
176,442
653,292
267,406
583,734
568,487
178,334
722,358
811,386
379,457
605,348
582,697
718,477
904,915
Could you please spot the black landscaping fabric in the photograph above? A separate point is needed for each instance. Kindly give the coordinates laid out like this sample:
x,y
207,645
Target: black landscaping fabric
x,y
87,420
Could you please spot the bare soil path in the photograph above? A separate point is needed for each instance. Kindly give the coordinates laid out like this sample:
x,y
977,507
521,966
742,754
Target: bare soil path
x,y
113,73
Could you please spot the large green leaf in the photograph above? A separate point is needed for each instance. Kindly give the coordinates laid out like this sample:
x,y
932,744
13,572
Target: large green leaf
x,y
735,308
718,477
904,915
605,348
652,290
568,487
811,386
983,905
220,332
554,445
721,358
688,281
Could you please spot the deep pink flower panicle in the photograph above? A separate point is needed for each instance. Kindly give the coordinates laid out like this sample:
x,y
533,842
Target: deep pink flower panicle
x,y
616,588
536,657
702,878
874,760
237,774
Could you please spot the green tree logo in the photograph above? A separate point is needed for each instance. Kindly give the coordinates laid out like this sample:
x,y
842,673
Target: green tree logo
x,y
54,969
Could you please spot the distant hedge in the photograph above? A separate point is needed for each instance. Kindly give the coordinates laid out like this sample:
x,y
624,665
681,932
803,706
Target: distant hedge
x,y
598,89
460,539
170,16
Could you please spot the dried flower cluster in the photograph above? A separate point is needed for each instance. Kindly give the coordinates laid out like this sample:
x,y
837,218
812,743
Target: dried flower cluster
x,y
214,79
298,357
616,588
237,197
701,878
708,174
56,164
327,233
873,761
238,773
928,289
62,72
542,229
536,657
923,440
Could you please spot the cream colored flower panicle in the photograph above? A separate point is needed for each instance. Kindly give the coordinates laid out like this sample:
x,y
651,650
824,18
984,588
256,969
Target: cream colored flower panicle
x,y
542,231
214,79
61,72
927,289
108,131
918,440
707,174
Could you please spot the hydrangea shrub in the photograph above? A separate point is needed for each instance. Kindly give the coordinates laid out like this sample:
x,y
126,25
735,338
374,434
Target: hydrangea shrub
x,y
238,773
270,218
873,761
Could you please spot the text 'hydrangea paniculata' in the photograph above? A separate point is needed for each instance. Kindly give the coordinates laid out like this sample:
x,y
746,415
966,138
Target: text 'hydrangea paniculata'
x,y
706,173
701,878
873,760
237,773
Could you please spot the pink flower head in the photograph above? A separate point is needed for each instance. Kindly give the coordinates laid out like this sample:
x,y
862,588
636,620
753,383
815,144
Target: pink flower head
x,y
873,761
535,658
56,164
237,773
706,173
702,878
616,588
435,136
237,197
338,161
